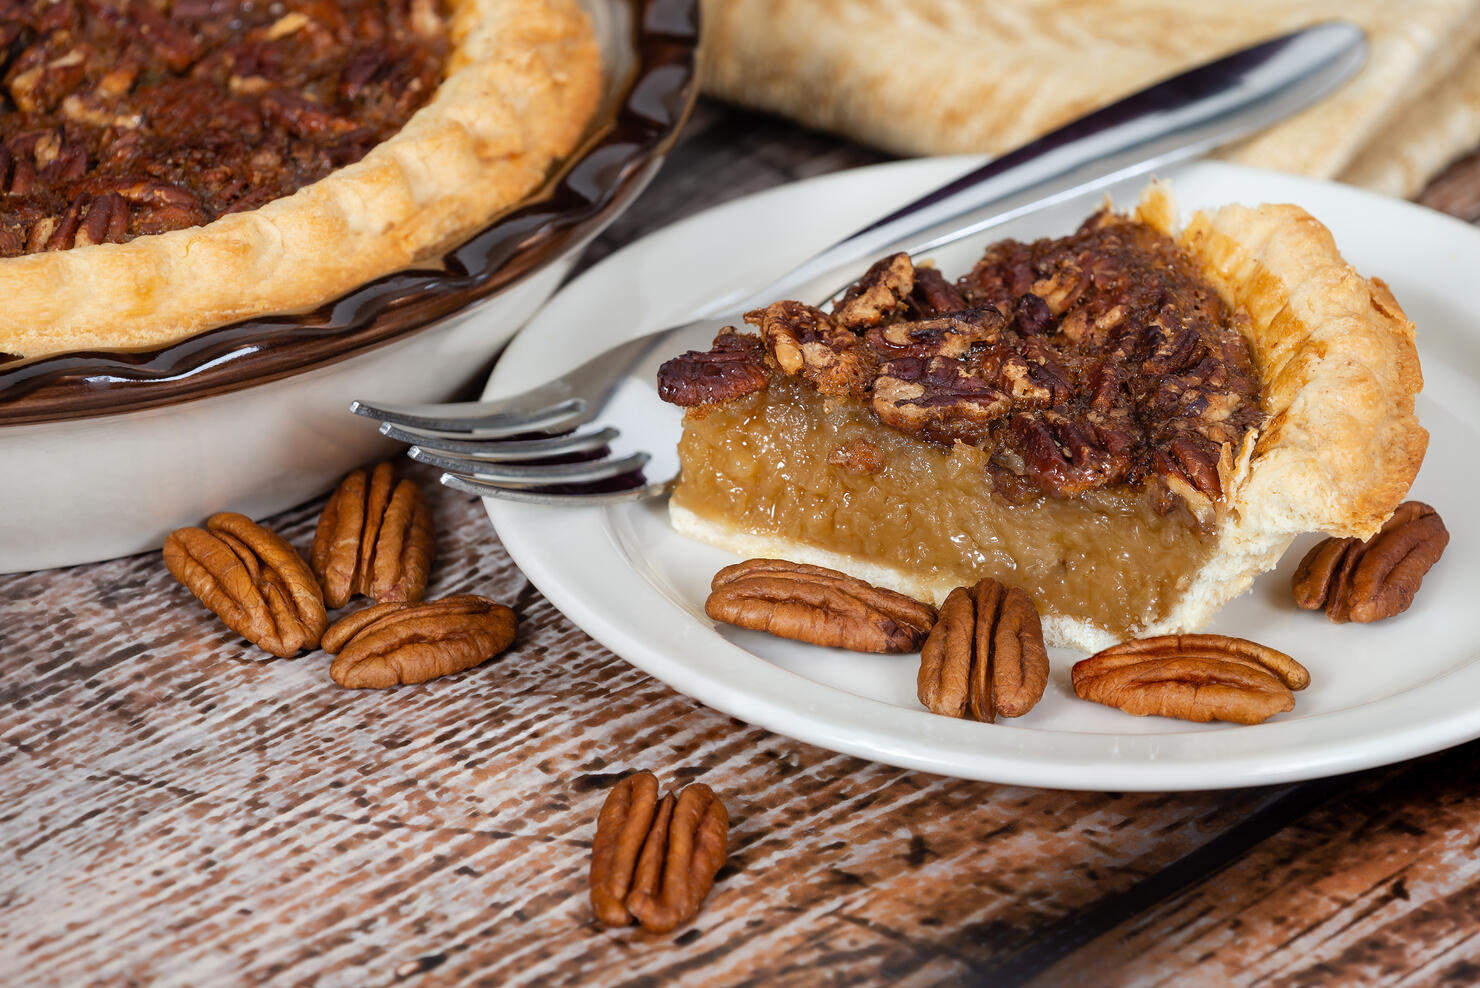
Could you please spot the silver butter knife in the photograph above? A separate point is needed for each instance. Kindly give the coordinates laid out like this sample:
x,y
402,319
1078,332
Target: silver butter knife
x,y
502,448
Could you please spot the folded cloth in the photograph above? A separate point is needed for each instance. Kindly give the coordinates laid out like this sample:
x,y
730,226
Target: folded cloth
x,y
950,76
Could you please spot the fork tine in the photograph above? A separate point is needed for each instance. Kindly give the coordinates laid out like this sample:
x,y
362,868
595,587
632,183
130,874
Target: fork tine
x,y
494,418
505,449
594,496
541,475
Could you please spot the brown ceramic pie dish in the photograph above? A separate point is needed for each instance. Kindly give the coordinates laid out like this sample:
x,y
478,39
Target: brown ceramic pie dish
x,y
108,449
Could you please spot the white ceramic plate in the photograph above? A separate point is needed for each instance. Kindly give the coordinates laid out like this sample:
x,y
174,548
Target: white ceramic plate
x,y
1379,693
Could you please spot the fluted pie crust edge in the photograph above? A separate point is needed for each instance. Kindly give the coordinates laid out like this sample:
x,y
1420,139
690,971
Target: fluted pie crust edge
x,y
523,79
1339,448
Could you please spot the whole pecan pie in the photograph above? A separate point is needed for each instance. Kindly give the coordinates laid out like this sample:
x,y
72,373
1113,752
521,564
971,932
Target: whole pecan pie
x,y
1128,423
171,165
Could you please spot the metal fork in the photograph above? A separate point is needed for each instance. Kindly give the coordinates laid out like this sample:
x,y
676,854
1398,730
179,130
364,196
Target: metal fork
x,y
531,446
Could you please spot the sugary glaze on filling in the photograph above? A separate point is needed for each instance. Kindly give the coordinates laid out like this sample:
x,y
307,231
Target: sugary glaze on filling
x,y
120,118
1056,418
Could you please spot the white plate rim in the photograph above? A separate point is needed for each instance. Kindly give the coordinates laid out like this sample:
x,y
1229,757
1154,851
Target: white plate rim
x,y
575,562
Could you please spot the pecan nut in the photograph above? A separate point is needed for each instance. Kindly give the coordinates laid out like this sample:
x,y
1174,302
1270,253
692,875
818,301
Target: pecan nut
x,y
734,367
985,656
817,605
1192,677
252,579
374,538
805,341
1367,581
653,861
400,644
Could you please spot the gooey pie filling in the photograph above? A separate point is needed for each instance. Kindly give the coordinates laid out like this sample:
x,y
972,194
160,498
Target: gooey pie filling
x,y
120,119
1054,418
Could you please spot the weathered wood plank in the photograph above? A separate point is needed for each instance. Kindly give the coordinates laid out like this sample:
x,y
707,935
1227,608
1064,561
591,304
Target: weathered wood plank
x,y
181,809
1379,886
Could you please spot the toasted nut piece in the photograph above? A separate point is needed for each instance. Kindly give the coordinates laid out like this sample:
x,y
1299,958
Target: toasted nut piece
x,y
733,367
985,656
416,642
253,580
817,605
1368,581
655,860
375,538
1192,677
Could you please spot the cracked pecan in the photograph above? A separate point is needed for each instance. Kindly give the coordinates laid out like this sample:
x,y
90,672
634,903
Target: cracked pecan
x,y
1365,581
1192,677
817,605
1071,456
985,656
804,340
400,644
374,538
879,294
252,579
733,367
934,396
653,861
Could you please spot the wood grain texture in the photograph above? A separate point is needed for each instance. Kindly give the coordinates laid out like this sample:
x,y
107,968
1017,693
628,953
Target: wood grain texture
x,y
181,809
1379,886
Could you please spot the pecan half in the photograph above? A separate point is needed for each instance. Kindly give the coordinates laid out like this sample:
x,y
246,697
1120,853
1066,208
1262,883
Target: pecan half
x,y
374,538
401,644
1192,677
734,367
1368,581
653,861
985,656
252,579
817,605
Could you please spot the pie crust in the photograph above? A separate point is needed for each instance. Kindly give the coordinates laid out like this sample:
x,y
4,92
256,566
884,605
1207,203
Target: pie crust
x,y
523,79
1336,453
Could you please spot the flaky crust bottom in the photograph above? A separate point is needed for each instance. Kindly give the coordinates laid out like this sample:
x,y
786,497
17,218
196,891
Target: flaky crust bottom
x,y
1338,451
523,78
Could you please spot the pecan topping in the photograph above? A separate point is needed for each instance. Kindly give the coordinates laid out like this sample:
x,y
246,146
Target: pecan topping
x,y
1098,359
653,861
252,579
1192,677
734,367
401,644
933,295
1368,581
804,340
877,295
374,538
184,112
985,656
817,605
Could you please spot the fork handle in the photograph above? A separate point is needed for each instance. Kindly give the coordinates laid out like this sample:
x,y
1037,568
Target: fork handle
x,y
1178,118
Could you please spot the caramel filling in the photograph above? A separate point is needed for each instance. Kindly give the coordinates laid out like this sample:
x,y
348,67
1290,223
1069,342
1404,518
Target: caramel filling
x,y
787,462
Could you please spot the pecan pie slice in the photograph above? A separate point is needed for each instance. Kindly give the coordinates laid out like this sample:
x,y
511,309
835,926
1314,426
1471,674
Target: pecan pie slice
x,y
1128,423
171,165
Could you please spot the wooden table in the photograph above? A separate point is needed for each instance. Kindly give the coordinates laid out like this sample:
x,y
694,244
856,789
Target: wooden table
x,y
178,809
